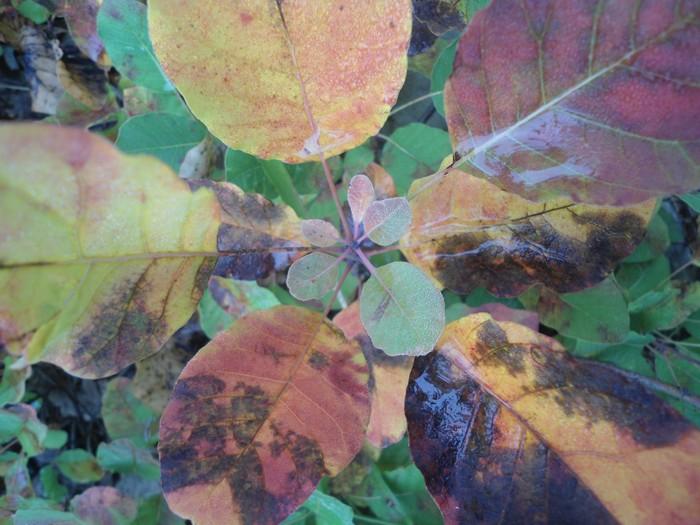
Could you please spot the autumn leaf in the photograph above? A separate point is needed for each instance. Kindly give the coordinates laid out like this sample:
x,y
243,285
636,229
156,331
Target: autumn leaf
x,y
259,415
81,19
103,256
506,426
286,80
104,506
387,384
467,233
596,101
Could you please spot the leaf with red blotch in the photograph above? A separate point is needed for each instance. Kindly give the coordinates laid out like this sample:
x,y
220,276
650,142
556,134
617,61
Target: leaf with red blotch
x,y
387,385
596,101
467,233
259,415
508,427
104,506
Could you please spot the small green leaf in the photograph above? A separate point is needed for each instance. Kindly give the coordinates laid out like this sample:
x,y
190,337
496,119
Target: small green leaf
x,y
596,314
320,233
53,489
415,150
79,465
32,10
125,416
441,71
226,300
55,438
323,509
402,311
692,200
312,276
123,28
123,456
12,386
168,137
45,517
387,220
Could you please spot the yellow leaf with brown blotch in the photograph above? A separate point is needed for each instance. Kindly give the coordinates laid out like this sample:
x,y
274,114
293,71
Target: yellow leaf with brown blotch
x,y
285,80
103,256
503,416
259,415
466,233
388,380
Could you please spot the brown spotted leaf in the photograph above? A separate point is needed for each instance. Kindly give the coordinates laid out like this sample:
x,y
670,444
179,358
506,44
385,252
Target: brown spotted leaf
x,y
594,100
509,428
286,80
387,385
467,233
259,415
103,256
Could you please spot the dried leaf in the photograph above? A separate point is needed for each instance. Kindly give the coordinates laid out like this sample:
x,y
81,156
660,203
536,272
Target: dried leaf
x,y
320,233
104,506
360,196
280,396
595,101
387,384
40,62
401,310
81,18
503,416
312,276
386,221
323,76
467,233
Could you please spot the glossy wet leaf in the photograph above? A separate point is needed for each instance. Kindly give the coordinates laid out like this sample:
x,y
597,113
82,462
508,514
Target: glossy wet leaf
x,y
280,396
402,311
227,300
502,416
387,385
285,80
320,233
79,465
597,314
104,506
123,28
360,196
595,101
467,233
387,220
415,151
312,276
165,136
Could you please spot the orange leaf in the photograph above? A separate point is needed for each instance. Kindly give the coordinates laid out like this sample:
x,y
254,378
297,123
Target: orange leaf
x,y
468,233
388,380
259,415
503,418
285,80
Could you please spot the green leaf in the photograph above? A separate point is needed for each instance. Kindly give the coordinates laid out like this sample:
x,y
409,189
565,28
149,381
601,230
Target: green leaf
x,y
12,386
125,416
21,422
692,200
356,160
441,71
401,309
79,465
665,309
321,509
596,314
45,517
55,438
165,136
155,511
123,28
387,220
640,278
654,244
415,151
312,276
123,456
228,299
32,10
52,486
320,233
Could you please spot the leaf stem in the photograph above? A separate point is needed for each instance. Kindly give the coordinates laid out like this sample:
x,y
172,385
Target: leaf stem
x,y
384,249
347,233
280,179
365,261
414,101
336,291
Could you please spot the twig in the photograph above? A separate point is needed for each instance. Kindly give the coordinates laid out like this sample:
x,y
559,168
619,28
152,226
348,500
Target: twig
x,y
414,101
338,286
